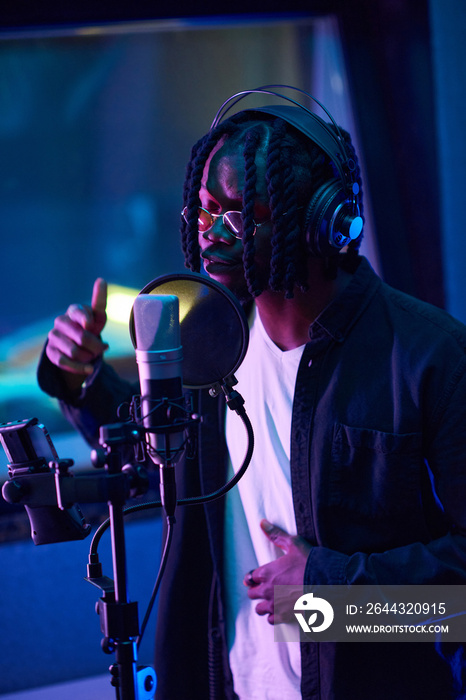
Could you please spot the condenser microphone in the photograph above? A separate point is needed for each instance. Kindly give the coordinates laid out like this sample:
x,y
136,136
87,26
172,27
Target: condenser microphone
x,y
159,357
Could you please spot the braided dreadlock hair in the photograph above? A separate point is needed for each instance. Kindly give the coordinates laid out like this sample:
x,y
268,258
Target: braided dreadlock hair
x,y
295,168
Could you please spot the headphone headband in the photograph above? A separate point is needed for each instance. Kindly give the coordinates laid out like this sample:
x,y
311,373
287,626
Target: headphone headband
x,y
307,122
267,90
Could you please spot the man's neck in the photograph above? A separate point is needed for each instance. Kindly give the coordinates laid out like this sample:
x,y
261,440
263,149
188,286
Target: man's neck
x,y
287,321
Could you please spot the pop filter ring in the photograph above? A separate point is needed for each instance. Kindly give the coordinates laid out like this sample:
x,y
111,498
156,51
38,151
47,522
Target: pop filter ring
x,y
238,342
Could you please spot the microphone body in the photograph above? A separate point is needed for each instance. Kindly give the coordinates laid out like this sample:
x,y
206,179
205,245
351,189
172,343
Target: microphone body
x,y
159,356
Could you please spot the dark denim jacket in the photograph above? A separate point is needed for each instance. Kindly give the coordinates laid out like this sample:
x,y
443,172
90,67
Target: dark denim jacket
x,y
378,465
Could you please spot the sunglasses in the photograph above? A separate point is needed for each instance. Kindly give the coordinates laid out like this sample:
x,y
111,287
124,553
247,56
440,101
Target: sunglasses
x,y
230,219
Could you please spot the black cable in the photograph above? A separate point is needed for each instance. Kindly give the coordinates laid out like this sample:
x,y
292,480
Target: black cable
x,y
196,500
163,563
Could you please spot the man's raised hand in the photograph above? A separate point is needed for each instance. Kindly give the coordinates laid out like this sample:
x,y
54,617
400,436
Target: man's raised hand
x,y
74,343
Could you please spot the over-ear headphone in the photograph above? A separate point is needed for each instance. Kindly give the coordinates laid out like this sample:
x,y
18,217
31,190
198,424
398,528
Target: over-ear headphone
x,y
333,216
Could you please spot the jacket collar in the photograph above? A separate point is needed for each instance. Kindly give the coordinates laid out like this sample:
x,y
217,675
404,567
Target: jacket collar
x,y
338,318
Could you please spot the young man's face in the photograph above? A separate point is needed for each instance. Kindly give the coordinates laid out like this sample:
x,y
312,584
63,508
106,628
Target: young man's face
x,y
222,191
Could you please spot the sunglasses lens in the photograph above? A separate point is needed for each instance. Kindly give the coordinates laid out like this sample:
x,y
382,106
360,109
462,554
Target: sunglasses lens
x,y
205,221
233,222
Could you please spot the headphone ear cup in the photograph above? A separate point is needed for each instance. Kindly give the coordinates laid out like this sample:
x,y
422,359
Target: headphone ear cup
x,y
316,223
331,221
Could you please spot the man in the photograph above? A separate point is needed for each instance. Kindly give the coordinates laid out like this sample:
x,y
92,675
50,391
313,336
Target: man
x,y
357,396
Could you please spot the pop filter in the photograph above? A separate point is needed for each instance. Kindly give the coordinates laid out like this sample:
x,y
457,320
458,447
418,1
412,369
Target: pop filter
x,y
213,327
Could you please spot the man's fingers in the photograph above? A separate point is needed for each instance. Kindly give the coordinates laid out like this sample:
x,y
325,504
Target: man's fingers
x,y
71,338
98,306
264,608
64,362
275,534
92,318
99,296
73,349
80,314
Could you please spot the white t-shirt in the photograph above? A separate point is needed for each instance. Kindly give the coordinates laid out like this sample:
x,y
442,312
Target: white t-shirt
x,y
262,668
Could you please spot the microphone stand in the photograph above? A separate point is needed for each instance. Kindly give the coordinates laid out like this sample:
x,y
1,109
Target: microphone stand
x,y
118,617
